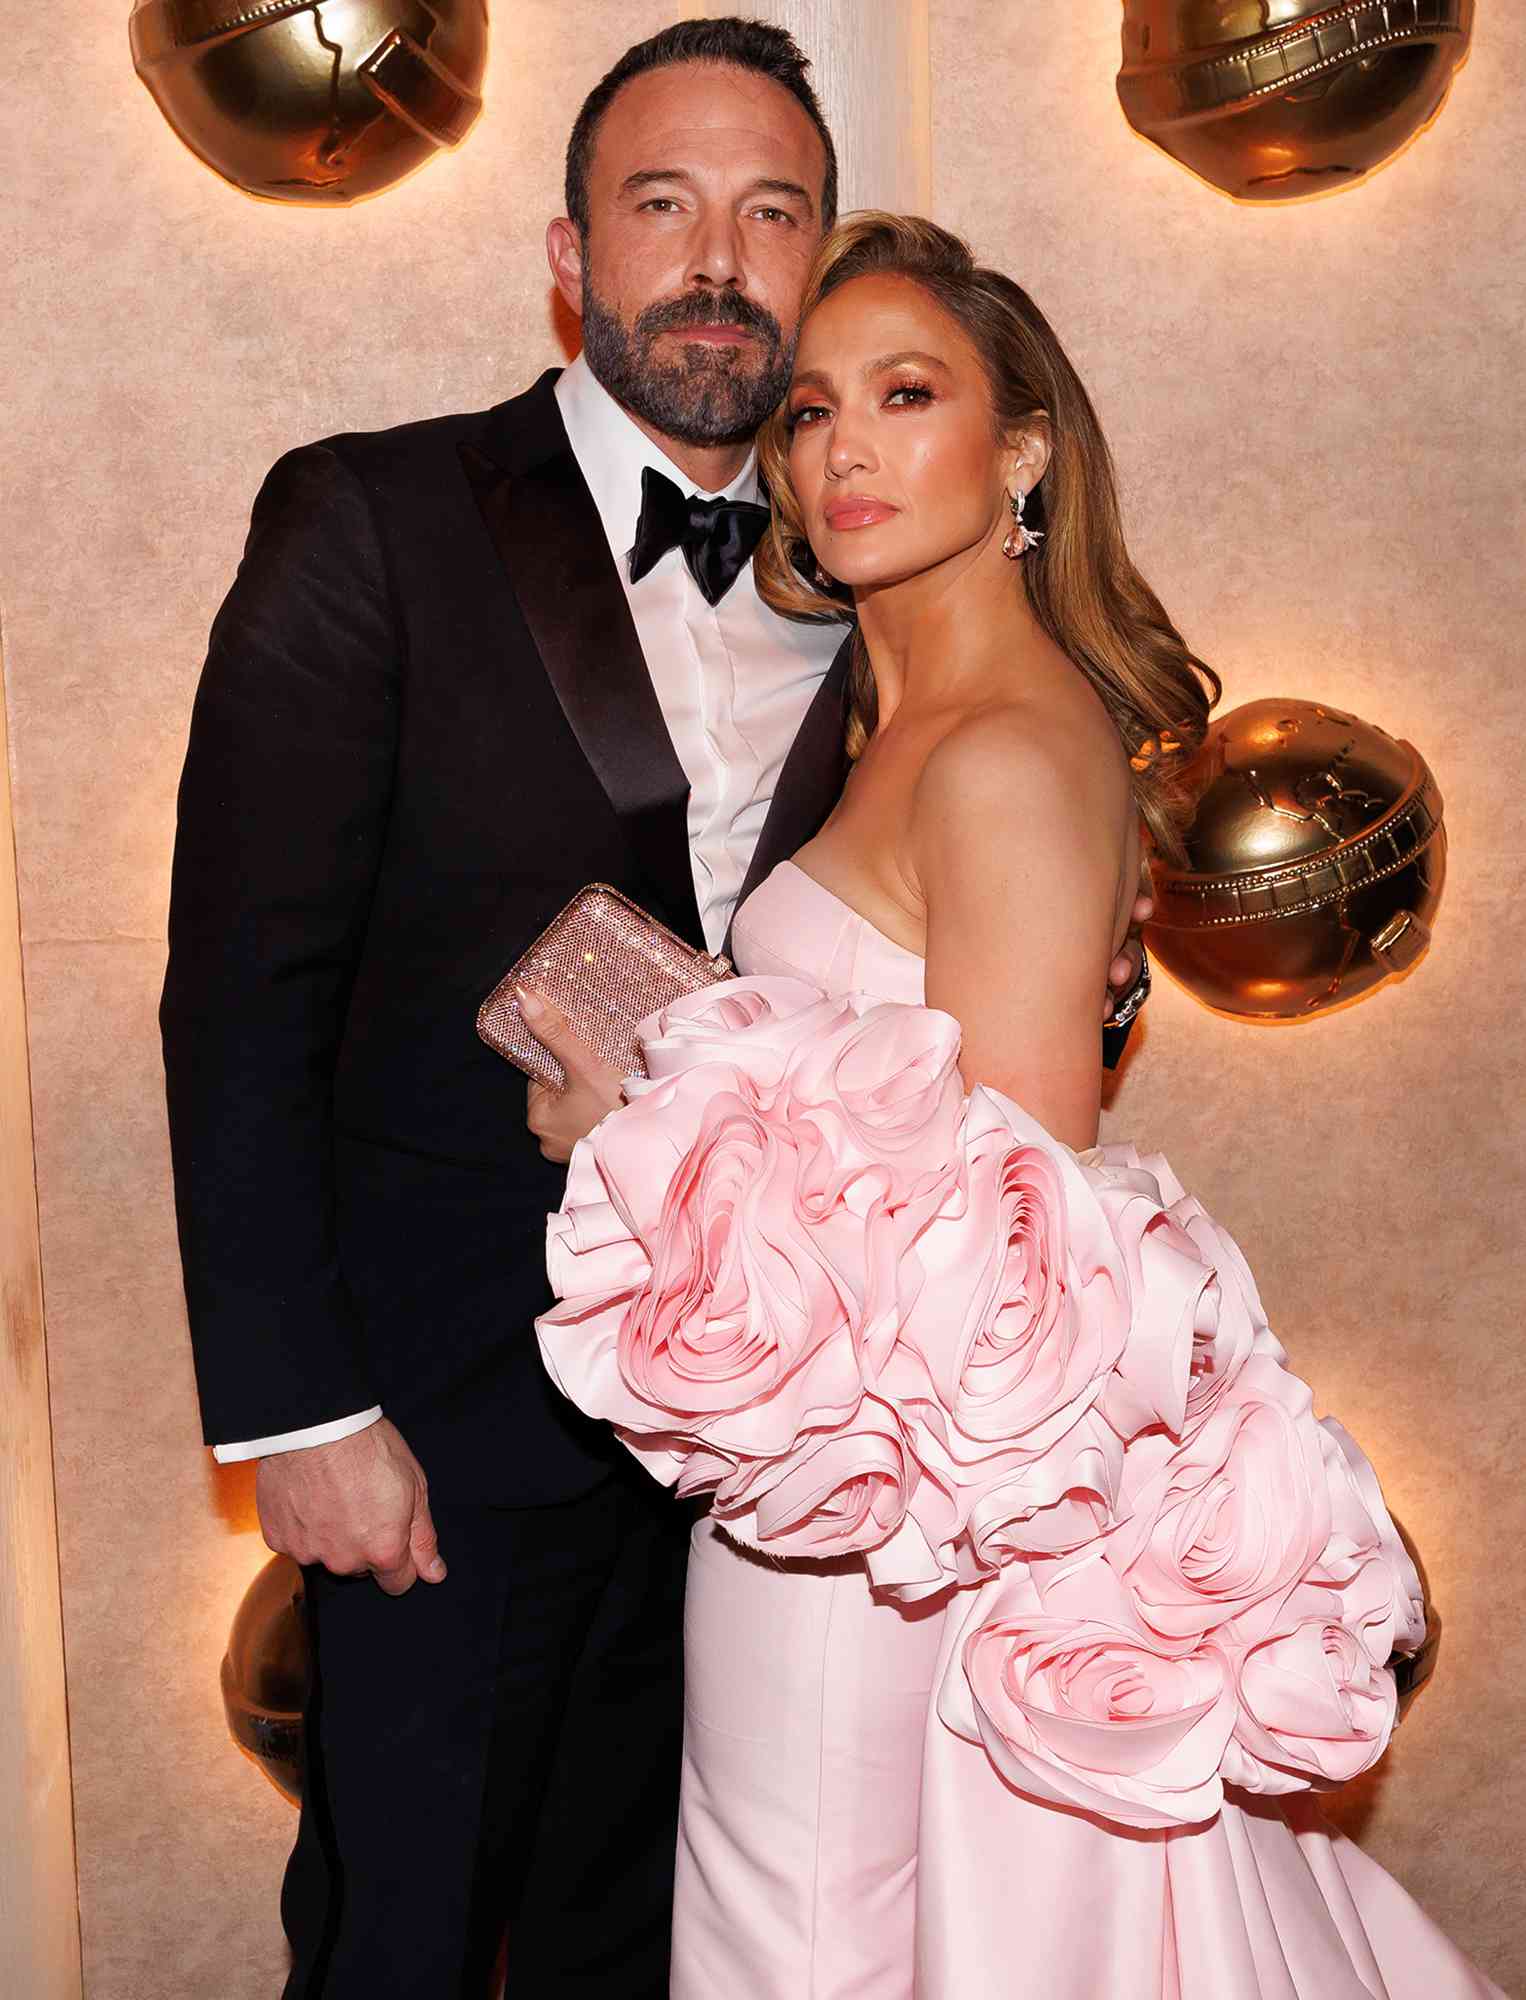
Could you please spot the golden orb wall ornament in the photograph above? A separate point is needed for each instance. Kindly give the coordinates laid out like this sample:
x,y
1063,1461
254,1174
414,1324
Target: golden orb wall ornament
x,y
1271,99
320,101
1315,865
265,1674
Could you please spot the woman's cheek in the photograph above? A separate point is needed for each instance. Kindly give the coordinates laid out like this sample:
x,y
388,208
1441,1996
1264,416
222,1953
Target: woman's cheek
x,y
970,479
806,457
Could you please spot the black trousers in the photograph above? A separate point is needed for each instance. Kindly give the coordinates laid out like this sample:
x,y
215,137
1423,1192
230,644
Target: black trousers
x,y
501,1749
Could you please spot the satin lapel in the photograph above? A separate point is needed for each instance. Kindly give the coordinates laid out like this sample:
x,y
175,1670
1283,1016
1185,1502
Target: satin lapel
x,y
811,782
548,535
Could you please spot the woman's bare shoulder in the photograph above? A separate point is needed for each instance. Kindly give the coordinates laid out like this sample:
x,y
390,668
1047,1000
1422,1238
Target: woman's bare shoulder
x,y
1030,762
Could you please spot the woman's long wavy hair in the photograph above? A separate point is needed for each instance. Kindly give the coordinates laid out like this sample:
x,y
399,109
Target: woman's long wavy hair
x,y
1082,585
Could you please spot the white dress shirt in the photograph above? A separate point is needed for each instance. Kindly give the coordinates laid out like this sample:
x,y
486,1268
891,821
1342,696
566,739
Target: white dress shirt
x,y
734,680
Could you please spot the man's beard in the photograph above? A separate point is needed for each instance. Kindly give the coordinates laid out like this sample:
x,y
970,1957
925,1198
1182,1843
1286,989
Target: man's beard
x,y
707,394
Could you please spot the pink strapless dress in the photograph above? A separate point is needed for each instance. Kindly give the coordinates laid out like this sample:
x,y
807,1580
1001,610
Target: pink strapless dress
x,y
840,1841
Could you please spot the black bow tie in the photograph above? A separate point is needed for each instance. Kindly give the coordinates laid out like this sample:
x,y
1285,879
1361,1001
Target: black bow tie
x,y
716,536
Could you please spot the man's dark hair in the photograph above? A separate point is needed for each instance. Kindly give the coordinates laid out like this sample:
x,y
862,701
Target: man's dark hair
x,y
750,45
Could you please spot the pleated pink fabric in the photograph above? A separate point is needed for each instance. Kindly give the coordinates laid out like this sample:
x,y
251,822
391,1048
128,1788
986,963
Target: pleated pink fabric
x,y
1056,1599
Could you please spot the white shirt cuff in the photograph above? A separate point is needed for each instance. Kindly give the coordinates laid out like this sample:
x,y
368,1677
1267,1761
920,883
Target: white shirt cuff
x,y
304,1440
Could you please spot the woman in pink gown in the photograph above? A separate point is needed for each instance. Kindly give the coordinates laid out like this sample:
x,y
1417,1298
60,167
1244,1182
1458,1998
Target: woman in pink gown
x,y
1033,1602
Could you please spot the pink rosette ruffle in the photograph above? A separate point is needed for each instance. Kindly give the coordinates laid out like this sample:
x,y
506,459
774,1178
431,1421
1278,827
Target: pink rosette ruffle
x,y
732,1307
1317,1704
841,1492
1023,1309
728,1252
1014,1313
1063,1500
1200,1315
1078,1705
892,1073
759,1026
1315,1709
1361,1528
1232,1518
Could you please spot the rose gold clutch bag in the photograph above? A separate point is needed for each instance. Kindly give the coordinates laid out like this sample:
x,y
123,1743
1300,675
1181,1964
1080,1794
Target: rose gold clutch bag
x,y
607,965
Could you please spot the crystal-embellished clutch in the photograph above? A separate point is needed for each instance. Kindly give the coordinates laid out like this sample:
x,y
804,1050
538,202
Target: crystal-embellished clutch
x,y
607,965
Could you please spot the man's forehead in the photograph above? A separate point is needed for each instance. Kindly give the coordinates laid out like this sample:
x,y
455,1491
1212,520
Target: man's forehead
x,y
703,113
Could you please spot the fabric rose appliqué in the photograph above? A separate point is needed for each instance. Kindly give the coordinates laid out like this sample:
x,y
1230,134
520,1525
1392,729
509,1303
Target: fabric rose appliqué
x,y
1078,1705
1023,1309
1230,1519
727,1252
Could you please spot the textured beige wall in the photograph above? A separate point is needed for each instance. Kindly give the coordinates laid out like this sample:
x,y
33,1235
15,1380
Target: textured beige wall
x,y
1330,511
1317,413
871,71
165,339
39,1931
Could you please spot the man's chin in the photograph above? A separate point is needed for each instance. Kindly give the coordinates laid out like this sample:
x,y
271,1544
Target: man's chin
x,y
708,404
705,427
742,365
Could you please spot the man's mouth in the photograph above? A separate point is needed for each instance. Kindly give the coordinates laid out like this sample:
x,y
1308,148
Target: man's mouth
x,y
714,334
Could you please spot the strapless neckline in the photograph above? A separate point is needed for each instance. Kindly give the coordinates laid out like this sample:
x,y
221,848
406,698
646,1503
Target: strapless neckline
x,y
916,957
796,927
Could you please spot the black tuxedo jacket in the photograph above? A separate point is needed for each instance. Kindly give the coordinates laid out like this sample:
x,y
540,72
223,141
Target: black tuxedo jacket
x,y
424,723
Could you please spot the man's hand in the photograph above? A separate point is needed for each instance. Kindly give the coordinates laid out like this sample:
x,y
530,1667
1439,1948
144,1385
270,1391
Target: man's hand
x,y
358,1505
1124,969
559,1118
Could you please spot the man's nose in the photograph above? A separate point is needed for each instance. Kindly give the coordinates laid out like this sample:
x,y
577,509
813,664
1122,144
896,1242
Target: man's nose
x,y
715,254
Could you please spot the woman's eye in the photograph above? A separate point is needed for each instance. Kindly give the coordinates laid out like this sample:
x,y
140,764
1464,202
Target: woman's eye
x,y
914,392
805,415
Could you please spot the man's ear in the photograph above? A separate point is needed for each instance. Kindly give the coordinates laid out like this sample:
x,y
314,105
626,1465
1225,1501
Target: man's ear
x,y
564,253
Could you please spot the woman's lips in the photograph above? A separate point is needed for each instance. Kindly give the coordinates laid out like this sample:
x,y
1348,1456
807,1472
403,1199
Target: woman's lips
x,y
858,511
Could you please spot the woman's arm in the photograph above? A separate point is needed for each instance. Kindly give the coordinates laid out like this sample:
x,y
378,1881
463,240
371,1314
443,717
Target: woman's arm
x,y
1020,845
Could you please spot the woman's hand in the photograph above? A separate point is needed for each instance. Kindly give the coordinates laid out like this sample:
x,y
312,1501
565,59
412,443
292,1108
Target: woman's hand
x,y
559,1118
1125,968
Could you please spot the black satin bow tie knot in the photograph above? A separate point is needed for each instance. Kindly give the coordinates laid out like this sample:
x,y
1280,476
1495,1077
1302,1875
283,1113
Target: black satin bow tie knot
x,y
717,536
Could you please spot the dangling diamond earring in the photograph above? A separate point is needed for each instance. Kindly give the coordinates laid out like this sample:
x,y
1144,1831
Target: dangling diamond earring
x,y
1020,537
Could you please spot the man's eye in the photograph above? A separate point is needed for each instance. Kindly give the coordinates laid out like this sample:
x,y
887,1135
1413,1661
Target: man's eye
x,y
774,214
664,201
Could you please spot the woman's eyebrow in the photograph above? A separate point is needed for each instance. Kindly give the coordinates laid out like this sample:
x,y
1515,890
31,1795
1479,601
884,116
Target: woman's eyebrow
x,y
818,378
885,361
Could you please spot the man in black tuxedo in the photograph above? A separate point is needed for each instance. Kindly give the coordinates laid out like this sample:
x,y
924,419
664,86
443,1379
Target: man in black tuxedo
x,y
468,666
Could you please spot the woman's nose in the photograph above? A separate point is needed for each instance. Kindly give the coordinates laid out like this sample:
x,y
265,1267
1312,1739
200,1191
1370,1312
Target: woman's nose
x,y
850,449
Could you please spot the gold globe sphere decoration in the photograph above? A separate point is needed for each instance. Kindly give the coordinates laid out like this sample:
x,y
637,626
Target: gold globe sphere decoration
x,y
265,1673
320,101
1315,863
1272,99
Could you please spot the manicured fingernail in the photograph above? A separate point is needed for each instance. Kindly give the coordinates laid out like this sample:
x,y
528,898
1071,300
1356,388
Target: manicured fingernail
x,y
529,1003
